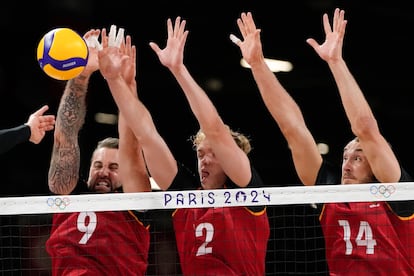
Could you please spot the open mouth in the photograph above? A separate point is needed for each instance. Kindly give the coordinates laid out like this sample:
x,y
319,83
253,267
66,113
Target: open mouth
x,y
204,175
102,186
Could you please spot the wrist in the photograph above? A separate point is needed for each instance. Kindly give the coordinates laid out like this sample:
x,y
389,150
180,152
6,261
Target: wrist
x,y
113,78
84,76
82,79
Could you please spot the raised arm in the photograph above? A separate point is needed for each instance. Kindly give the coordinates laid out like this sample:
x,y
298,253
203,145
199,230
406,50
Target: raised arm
x,y
65,160
280,104
233,160
159,159
380,156
132,169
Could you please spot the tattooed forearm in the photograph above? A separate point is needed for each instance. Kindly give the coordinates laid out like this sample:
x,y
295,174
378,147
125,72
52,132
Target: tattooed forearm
x,y
72,109
64,169
65,161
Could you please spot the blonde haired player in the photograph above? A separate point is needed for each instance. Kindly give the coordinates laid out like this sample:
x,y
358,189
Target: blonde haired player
x,y
210,241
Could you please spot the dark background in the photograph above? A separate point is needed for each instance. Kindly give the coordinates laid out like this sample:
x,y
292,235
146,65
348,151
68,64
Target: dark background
x,y
377,49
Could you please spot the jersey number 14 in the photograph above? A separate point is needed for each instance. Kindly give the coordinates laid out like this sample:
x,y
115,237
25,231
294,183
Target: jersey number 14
x,y
364,237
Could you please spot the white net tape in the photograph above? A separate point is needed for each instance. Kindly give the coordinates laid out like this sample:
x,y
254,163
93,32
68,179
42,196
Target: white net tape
x,y
207,198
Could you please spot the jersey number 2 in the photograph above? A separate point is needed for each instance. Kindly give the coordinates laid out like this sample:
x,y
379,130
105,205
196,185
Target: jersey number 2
x,y
364,237
209,229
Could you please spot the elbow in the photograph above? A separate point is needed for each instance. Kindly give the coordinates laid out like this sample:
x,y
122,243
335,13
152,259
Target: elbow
x,y
53,189
365,127
58,188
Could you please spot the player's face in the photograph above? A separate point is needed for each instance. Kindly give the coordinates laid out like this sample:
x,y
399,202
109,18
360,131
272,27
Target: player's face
x,y
355,166
103,173
210,171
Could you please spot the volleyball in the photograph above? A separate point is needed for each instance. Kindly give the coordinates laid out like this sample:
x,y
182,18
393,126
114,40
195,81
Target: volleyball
x,y
62,53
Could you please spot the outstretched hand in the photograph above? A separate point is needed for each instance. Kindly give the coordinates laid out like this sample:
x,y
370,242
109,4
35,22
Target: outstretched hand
x,y
91,38
39,124
129,68
331,49
112,57
251,46
173,54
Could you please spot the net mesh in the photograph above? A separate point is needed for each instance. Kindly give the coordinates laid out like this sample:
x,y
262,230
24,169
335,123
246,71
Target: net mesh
x,y
296,244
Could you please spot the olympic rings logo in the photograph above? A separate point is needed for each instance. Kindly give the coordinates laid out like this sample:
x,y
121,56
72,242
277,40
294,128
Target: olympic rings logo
x,y
382,190
58,203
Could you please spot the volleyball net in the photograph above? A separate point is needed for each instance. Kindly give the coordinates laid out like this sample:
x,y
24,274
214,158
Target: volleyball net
x,y
296,244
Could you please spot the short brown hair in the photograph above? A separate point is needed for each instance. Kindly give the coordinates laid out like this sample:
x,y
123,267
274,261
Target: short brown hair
x,y
110,142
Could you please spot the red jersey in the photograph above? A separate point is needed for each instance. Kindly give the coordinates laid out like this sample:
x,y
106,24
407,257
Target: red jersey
x,y
98,243
367,238
221,241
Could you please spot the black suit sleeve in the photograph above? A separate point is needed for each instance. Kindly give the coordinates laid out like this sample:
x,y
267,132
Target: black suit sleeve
x,y
10,137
